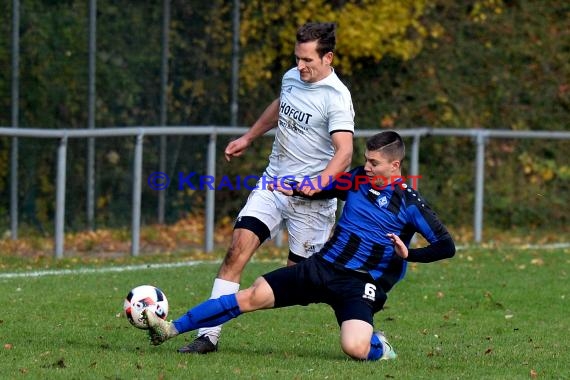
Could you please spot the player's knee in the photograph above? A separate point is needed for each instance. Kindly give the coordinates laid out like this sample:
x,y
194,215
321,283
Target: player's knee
x,y
258,296
356,348
244,298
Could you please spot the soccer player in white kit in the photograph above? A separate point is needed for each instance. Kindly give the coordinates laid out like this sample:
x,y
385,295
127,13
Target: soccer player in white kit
x,y
313,144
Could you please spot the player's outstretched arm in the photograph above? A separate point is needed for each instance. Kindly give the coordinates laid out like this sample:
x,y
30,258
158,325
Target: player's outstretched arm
x,y
438,250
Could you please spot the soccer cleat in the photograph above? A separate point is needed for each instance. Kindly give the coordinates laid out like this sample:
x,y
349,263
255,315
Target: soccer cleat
x,y
388,352
200,345
159,330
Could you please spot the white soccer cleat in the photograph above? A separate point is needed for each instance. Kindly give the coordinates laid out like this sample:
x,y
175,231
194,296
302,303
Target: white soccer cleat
x,y
159,330
388,352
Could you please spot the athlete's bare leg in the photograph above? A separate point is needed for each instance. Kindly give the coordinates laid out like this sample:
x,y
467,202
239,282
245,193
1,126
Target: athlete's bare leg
x,y
243,245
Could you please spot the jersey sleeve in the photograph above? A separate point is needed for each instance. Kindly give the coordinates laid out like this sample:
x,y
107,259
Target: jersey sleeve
x,y
341,112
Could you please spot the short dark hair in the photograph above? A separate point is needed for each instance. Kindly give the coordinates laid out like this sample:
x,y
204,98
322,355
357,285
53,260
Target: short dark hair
x,y
388,143
323,33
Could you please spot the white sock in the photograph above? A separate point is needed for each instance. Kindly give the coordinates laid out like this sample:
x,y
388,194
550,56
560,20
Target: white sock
x,y
220,288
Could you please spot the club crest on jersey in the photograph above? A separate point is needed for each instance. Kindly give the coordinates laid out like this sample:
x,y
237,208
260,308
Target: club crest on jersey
x,y
373,194
383,201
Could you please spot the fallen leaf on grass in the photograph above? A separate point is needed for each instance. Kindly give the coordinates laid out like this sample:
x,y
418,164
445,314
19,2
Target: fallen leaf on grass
x,y
8,346
538,262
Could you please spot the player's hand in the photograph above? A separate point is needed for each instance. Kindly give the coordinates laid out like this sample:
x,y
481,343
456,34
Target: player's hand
x,y
399,246
236,148
278,187
282,187
308,188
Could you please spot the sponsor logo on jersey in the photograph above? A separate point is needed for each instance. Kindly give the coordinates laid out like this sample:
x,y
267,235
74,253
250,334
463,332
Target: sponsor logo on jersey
x,y
294,114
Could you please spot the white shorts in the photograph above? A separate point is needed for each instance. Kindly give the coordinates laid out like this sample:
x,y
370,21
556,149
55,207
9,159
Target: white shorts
x,y
309,222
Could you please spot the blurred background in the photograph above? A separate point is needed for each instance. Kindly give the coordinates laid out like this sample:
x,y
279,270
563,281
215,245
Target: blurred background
x,y
488,64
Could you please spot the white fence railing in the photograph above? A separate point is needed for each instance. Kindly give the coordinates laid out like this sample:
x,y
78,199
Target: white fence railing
x,y
480,137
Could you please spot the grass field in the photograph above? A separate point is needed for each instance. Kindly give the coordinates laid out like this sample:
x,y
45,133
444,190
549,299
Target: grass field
x,y
485,314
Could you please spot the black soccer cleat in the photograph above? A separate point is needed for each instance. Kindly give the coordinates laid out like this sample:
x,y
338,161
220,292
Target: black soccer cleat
x,y
200,345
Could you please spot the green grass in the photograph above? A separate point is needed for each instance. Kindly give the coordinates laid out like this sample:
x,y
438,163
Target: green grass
x,y
486,314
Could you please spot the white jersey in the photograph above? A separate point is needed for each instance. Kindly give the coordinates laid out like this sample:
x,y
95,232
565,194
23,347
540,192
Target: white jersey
x,y
309,113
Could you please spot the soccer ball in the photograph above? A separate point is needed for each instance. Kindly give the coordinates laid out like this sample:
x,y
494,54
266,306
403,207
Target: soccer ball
x,y
145,297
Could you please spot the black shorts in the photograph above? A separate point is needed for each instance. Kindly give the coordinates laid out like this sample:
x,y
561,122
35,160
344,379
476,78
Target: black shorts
x,y
351,294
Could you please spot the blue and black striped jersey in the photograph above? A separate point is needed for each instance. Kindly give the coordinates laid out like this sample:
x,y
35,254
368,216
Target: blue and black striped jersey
x,y
359,241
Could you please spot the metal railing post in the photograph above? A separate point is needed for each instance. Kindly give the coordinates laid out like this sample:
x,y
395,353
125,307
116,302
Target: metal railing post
x,y
479,186
415,164
137,188
210,195
279,239
60,197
